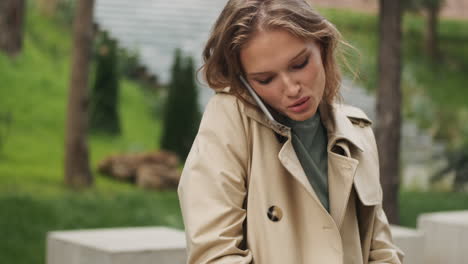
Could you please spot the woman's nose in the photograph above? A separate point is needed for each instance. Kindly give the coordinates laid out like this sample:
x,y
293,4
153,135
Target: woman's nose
x,y
291,87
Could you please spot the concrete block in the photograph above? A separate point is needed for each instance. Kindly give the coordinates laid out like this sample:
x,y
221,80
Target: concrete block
x,y
141,245
446,237
410,241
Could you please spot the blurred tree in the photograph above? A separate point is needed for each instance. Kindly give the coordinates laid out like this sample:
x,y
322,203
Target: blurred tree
x,y
172,125
432,41
104,100
432,9
389,104
11,26
192,110
182,114
77,170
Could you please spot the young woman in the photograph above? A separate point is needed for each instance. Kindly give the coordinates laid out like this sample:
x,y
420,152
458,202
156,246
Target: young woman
x,y
281,174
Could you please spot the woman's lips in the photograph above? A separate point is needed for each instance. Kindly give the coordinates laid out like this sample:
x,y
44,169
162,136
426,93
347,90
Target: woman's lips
x,y
300,105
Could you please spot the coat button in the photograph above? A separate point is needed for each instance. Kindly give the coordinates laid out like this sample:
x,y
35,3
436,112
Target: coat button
x,y
274,213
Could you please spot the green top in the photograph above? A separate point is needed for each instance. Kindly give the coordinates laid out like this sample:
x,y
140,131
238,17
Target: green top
x,y
309,138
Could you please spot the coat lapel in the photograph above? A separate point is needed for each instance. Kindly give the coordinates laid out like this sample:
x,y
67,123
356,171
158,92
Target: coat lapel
x,y
341,171
288,158
341,168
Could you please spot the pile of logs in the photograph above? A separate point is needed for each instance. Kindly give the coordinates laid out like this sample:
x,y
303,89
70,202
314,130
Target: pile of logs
x,y
152,170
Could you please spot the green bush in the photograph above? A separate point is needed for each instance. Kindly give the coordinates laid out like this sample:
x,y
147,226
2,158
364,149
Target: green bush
x,y
182,114
129,63
104,115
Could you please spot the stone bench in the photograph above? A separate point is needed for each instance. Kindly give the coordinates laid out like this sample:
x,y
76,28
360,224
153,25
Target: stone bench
x,y
446,237
142,245
411,242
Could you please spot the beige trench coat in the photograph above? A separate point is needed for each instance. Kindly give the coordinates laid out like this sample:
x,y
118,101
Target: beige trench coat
x,y
246,199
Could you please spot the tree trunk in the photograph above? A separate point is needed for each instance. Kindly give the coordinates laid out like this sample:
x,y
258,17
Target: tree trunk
x,y
432,46
77,170
11,26
389,104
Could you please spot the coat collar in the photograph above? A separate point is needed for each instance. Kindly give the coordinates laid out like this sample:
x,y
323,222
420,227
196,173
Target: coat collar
x,y
337,119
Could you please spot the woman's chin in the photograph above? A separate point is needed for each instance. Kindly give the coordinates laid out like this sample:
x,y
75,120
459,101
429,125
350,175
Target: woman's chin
x,y
302,116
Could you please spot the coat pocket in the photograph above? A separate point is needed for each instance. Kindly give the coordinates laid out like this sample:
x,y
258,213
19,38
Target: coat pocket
x,y
367,184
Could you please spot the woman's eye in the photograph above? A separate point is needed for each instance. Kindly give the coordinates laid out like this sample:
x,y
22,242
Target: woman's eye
x,y
302,65
265,81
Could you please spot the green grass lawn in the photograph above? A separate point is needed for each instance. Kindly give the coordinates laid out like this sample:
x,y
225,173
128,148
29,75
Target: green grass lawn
x,y
26,219
33,88
414,203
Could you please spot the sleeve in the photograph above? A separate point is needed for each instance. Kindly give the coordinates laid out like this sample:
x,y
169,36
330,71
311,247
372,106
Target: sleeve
x,y
212,189
383,250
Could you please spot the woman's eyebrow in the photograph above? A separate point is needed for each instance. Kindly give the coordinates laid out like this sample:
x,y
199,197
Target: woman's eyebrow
x,y
299,54
295,57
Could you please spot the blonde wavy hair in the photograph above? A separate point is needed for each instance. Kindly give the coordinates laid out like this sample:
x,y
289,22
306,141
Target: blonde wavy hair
x,y
240,19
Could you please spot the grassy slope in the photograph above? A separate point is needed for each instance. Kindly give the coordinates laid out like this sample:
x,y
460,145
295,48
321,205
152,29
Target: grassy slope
x,y
34,89
33,200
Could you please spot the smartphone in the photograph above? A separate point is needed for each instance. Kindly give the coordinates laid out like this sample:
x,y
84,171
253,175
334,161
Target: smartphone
x,y
257,99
